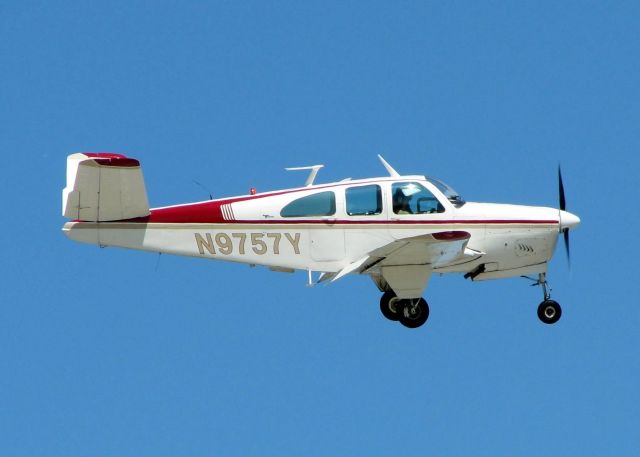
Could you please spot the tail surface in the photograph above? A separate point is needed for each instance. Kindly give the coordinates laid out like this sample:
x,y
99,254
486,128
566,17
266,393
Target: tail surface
x,y
104,187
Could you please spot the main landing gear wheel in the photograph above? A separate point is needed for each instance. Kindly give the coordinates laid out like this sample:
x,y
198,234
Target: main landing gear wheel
x,y
389,306
549,311
413,312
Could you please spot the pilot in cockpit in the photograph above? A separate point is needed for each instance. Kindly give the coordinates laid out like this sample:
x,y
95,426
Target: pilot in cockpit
x,y
401,202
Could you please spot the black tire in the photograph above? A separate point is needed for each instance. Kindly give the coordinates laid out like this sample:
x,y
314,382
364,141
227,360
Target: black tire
x,y
549,311
413,316
388,305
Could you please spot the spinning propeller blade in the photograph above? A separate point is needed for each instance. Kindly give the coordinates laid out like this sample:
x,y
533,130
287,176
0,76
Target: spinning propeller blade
x,y
563,203
563,206
566,245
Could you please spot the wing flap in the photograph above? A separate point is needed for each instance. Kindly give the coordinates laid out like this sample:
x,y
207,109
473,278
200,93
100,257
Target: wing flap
x,y
436,249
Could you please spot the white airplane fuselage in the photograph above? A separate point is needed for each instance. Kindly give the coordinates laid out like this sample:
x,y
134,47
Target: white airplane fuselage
x,y
505,240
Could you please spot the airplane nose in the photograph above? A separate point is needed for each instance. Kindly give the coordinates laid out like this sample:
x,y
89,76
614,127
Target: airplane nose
x,y
568,220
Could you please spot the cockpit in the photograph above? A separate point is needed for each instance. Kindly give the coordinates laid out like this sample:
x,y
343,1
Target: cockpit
x,y
365,199
448,191
414,198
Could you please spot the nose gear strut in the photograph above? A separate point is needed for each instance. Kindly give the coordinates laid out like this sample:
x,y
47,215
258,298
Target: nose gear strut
x,y
549,311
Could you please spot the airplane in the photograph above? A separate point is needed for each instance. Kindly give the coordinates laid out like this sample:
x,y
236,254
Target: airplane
x,y
398,229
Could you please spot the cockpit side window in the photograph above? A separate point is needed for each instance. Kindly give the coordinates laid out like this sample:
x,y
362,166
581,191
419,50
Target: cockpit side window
x,y
413,198
364,200
320,204
453,196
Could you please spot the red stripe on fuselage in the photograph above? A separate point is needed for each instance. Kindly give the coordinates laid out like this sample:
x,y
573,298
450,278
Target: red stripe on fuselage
x,y
210,212
177,218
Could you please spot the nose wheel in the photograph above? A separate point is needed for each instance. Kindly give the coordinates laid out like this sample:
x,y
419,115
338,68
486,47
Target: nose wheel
x,y
410,312
549,311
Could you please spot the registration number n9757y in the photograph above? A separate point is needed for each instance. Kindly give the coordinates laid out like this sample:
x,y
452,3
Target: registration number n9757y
x,y
246,243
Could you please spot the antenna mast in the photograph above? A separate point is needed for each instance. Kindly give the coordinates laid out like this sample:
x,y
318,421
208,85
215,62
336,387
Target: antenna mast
x,y
312,174
389,168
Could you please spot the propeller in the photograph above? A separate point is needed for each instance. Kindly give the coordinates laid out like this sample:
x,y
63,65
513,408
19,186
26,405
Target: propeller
x,y
563,206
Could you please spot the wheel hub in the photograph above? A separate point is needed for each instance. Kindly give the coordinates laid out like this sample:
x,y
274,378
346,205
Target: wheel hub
x,y
549,312
413,310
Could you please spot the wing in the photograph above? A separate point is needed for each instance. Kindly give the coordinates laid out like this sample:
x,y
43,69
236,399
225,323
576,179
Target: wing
x,y
406,264
435,249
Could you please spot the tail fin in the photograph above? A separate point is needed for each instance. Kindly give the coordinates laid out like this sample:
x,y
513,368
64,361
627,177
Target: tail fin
x,y
104,187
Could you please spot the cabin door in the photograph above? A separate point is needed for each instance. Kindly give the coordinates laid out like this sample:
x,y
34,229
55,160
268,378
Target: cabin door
x,y
327,242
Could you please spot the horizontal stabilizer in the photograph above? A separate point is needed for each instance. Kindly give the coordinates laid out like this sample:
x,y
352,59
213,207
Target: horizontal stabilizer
x,y
104,187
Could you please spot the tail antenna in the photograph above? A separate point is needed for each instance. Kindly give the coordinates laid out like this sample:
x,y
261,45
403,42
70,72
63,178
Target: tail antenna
x,y
204,188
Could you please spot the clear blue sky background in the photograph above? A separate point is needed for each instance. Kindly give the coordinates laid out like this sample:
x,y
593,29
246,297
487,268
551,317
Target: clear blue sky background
x,y
108,352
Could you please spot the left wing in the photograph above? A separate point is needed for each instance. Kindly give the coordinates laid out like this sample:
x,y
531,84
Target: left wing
x,y
406,264
436,249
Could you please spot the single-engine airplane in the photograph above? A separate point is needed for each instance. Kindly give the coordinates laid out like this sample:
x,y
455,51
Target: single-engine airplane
x,y
398,230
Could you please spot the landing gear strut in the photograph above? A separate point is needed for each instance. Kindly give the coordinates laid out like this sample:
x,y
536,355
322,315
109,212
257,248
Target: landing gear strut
x,y
411,312
549,311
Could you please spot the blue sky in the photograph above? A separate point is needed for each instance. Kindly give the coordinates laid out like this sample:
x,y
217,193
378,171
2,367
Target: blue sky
x,y
114,352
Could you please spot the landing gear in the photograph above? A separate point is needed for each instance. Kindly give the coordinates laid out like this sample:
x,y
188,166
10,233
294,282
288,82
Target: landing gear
x,y
414,312
388,306
411,313
549,311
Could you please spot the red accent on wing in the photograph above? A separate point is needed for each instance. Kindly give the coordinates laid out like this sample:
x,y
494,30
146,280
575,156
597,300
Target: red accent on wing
x,y
118,162
109,159
106,155
454,235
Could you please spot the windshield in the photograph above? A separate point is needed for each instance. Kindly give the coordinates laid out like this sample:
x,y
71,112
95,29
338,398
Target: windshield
x,y
448,192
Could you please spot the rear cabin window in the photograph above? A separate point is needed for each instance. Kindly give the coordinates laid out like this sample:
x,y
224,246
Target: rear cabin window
x,y
320,204
364,200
